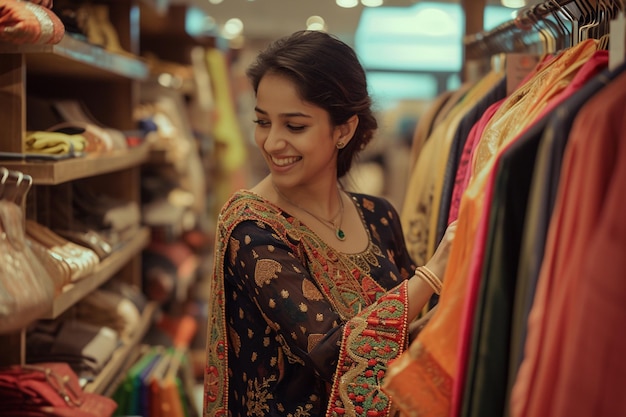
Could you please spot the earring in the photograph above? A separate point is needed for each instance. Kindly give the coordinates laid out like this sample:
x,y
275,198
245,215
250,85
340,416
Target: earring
x,y
340,145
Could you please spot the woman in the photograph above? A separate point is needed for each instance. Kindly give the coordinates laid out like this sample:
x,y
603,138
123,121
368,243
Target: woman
x,y
313,287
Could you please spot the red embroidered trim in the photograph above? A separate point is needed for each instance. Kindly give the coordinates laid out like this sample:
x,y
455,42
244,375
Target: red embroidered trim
x,y
370,341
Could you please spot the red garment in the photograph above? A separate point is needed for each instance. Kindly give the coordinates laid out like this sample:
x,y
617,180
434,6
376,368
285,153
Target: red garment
x,y
435,351
573,364
596,63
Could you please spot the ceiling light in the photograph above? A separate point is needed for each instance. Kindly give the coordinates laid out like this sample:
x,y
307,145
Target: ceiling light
x,y
215,1
233,28
434,22
315,23
347,3
514,4
372,3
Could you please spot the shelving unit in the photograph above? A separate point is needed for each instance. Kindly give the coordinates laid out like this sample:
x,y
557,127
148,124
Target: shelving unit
x,y
111,85
54,173
108,84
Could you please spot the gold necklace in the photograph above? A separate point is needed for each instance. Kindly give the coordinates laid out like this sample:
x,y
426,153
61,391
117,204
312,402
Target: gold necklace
x,y
339,233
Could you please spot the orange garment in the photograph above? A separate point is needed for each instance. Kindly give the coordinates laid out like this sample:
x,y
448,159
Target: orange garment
x,y
434,353
573,364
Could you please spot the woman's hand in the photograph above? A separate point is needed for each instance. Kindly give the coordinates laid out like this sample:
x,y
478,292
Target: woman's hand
x,y
439,261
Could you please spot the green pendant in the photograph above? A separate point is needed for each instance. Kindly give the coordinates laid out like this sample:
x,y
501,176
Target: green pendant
x,y
340,234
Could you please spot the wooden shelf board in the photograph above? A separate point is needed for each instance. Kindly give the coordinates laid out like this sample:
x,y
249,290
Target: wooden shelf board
x,y
121,359
76,291
73,56
58,172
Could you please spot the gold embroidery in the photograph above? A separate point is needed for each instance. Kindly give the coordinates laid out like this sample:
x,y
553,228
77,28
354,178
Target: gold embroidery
x,y
266,270
302,412
368,204
272,303
234,248
284,293
235,340
319,317
393,276
259,395
247,239
375,233
303,307
313,340
271,248
310,291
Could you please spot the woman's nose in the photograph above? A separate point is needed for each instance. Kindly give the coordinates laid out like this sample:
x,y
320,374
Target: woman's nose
x,y
273,140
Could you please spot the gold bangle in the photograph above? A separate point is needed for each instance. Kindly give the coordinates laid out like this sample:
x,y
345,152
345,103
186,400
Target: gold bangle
x,y
430,278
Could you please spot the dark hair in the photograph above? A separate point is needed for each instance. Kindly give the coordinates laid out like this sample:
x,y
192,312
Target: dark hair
x,y
328,74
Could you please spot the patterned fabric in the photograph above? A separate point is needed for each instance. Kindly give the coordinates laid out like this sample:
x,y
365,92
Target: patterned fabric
x,y
297,328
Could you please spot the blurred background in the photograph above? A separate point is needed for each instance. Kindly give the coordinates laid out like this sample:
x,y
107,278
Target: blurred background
x,y
411,50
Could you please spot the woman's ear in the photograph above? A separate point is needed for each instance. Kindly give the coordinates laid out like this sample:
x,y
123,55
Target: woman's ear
x,y
345,132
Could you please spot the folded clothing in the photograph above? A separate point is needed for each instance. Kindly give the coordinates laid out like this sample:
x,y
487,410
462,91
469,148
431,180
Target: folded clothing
x,y
55,143
48,389
107,308
86,347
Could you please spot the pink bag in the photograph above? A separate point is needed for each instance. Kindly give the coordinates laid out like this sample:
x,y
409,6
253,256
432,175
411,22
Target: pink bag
x,y
24,22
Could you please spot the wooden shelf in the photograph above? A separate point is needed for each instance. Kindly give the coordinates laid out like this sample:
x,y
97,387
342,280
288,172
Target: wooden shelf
x,y
74,292
57,172
73,57
123,357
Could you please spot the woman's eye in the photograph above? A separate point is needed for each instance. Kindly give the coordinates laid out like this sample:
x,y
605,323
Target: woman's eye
x,y
261,123
295,128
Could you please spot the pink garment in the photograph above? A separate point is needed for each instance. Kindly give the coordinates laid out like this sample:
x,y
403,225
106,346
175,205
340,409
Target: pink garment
x,y
592,67
574,354
463,170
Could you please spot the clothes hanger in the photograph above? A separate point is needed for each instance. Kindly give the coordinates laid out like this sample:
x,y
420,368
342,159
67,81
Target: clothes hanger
x,y
5,175
564,38
546,38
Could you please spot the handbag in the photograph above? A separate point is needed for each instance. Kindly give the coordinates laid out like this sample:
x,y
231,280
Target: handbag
x,y
48,389
24,22
26,289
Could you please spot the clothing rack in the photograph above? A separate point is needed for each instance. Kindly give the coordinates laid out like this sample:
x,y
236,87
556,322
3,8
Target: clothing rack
x,y
528,32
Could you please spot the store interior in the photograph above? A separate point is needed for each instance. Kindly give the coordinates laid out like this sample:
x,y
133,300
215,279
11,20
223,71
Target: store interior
x,y
126,124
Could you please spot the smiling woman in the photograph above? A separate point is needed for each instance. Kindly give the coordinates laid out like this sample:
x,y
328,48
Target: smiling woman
x,y
314,291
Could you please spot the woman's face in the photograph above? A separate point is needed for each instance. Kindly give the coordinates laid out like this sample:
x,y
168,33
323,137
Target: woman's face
x,y
296,138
